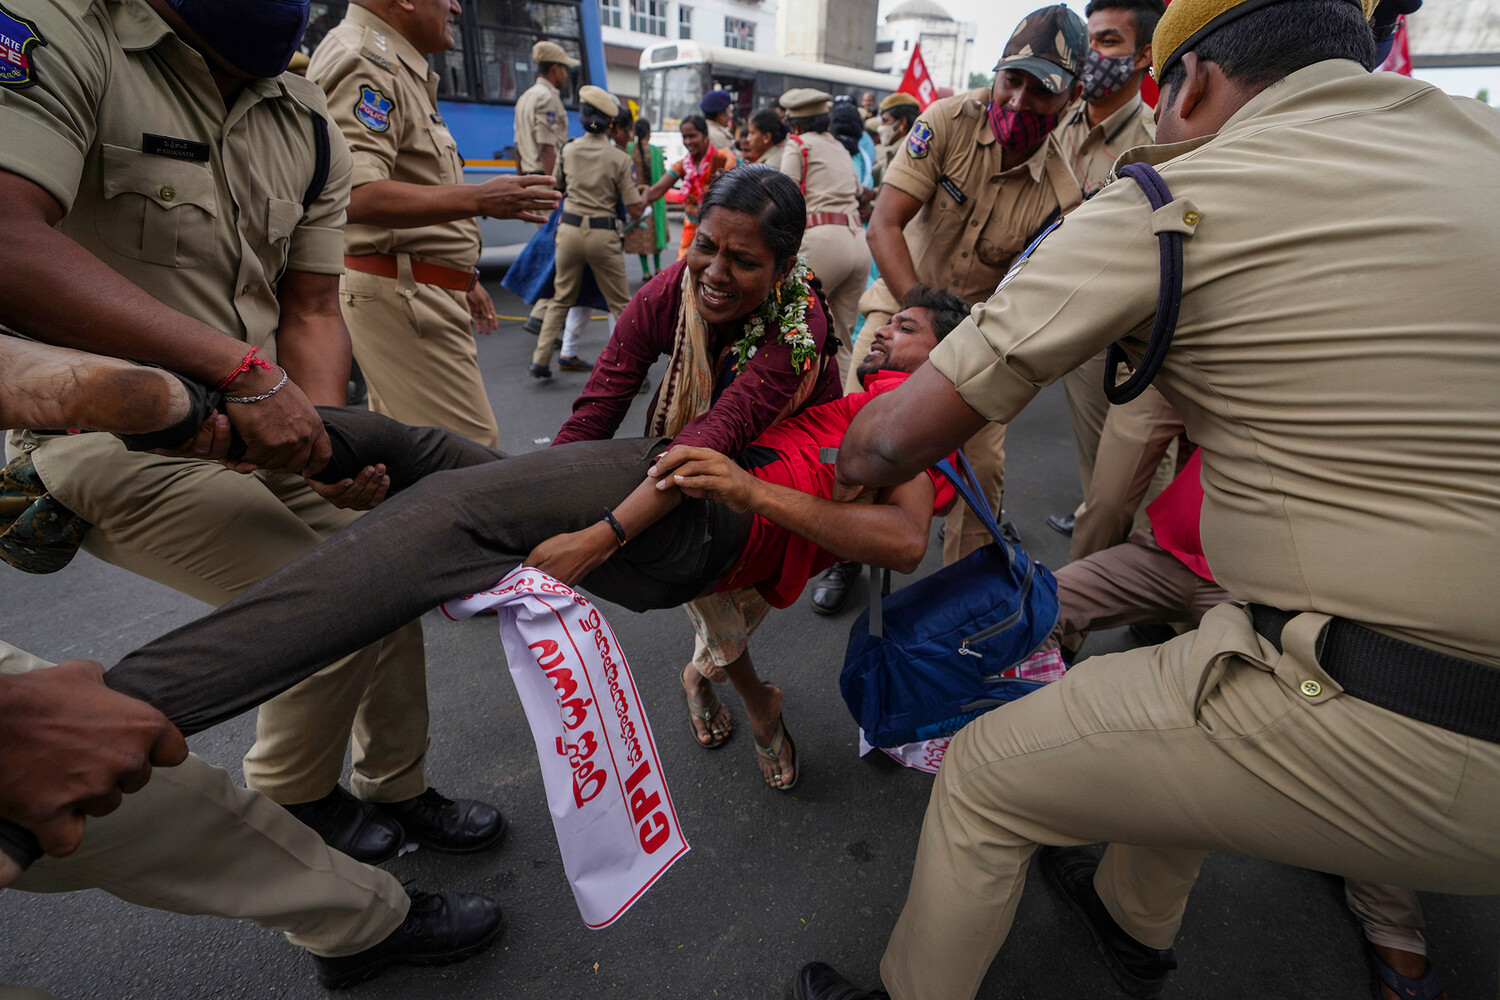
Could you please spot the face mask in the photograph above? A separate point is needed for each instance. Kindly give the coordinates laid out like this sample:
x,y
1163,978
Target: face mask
x,y
256,37
1019,129
887,134
1103,75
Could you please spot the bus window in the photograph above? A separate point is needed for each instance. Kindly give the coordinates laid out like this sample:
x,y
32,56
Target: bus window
x,y
452,68
506,30
670,95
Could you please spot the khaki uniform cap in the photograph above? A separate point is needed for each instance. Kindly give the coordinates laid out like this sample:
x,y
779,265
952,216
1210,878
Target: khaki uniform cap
x,y
599,99
804,102
1188,22
898,100
551,52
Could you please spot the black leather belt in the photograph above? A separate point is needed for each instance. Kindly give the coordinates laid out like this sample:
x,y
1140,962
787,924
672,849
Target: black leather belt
x,y
594,222
1458,695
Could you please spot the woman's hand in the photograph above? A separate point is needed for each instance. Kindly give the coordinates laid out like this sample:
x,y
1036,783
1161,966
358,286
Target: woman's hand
x,y
573,555
364,491
706,474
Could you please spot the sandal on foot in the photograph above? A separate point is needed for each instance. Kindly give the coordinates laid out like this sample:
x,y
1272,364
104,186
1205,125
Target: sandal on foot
x,y
705,714
773,754
1427,987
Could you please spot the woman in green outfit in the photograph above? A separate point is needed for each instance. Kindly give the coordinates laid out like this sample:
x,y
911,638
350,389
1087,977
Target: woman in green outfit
x,y
647,237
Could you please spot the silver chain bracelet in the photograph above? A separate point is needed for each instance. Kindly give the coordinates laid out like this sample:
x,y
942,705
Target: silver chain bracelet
x,y
264,395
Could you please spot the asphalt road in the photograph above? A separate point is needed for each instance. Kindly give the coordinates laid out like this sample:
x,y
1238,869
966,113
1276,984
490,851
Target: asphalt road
x,y
773,880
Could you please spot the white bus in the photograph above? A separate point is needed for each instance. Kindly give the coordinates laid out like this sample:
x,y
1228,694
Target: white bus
x,y
676,75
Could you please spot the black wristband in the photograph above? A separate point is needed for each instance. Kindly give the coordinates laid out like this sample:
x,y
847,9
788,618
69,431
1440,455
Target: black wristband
x,y
610,519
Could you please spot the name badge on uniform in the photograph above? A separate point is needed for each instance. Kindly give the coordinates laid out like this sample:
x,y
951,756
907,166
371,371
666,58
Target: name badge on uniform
x,y
17,36
437,119
954,191
373,109
177,149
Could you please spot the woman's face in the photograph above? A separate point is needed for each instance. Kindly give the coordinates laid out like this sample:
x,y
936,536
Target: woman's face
x,y
695,141
732,265
756,141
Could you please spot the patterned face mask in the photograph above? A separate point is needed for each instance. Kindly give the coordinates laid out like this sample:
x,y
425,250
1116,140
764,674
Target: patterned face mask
x,y
1019,129
1103,75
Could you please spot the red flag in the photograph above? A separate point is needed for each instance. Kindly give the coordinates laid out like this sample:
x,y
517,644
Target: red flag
x,y
1399,60
918,82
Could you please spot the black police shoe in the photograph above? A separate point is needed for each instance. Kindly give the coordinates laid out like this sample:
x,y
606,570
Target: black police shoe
x,y
353,827
539,371
1140,971
453,826
533,326
831,592
440,928
1062,523
818,981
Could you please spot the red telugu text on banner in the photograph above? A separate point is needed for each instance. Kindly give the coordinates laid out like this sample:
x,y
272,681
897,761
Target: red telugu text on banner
x,y
918,82
616,826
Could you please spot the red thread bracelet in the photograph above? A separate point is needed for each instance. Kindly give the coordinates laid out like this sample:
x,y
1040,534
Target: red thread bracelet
x,y
250,361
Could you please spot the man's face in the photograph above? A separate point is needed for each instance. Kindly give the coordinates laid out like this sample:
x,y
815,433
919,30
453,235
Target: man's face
x,y
1112,32
431,24
902,345
867,101
1025,92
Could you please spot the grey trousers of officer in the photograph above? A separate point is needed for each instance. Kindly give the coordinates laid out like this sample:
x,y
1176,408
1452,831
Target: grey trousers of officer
x,y
449,534
1212,741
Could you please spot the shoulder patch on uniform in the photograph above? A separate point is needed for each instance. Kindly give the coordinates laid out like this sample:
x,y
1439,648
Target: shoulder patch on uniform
x,y
917,141
17,37
373,109
551,117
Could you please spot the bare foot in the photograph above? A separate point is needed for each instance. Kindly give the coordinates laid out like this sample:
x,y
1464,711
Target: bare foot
x,y
49,386
700,691
764,714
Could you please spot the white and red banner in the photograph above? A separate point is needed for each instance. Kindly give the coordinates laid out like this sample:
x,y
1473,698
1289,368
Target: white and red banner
x,y
616,826
918,82
1399,59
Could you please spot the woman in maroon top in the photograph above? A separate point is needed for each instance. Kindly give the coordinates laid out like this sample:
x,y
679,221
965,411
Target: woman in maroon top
x,y
750,344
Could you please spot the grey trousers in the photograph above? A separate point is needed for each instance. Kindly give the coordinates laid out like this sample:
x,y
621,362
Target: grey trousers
x,y
464,517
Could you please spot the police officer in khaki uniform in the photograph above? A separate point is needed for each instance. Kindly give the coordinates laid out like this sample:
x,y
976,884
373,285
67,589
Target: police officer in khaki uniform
x,y
1342,390
595,176
164,201
411,297
898,113
542,128
834,242
960,202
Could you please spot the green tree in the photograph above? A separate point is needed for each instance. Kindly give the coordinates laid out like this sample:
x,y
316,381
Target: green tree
x,y
979,80
1483,95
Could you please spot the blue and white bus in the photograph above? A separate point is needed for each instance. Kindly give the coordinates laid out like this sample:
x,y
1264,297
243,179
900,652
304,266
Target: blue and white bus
x,y
488,68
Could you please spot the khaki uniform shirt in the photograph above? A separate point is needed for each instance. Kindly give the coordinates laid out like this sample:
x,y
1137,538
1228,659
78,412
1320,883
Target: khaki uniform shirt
x,y
541,120
1091,150
383,95
826,174
719,136
883,156
975,218
1337,360
597,175
199,206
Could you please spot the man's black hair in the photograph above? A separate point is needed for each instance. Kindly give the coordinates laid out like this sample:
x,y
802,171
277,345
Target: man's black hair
x,y
769,122
1147,13
946,309
1268,44
767,194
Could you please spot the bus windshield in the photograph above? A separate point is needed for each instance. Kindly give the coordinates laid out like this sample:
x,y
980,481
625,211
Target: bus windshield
x,y
670,95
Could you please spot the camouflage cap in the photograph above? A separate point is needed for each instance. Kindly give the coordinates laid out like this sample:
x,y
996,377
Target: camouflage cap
x,y
1051,45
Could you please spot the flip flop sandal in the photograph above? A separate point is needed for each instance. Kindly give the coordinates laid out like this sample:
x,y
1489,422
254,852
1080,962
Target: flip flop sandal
x,y
705,714
773,754
1427,987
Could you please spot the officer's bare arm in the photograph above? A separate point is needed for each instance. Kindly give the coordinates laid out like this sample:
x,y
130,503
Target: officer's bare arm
x,y
56,291
398,205
46,386
901,432
894,208
548,154
312,343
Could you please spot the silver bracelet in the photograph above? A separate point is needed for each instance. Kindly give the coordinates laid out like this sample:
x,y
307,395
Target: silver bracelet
x,y
264,395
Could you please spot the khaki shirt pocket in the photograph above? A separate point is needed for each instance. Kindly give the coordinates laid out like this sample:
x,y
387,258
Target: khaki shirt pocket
x,y
449,163
358,288
282,217
157,209
998,248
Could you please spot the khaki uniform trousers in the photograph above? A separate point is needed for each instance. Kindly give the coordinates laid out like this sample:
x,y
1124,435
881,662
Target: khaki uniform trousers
x,y
193,842
1135,462
415,344
1203,743
1088,406
963,532
840,258
600,251
210,533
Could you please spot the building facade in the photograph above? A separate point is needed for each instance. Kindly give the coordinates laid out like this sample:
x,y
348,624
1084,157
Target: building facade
x,y
630,25
947,44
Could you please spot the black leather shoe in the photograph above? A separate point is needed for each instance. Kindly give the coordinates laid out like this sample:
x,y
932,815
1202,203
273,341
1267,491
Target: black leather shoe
x,y
453,826
831,592
818,981
440,928
539,371
1062,523
574,364
346,824
1140,971
533,326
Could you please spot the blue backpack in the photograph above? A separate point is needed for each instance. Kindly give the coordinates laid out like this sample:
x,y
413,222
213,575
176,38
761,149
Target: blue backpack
x,y
924,661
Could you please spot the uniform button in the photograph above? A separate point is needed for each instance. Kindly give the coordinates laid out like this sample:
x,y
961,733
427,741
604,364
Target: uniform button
x,y
167,194
1191,218
1312,688
245,290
